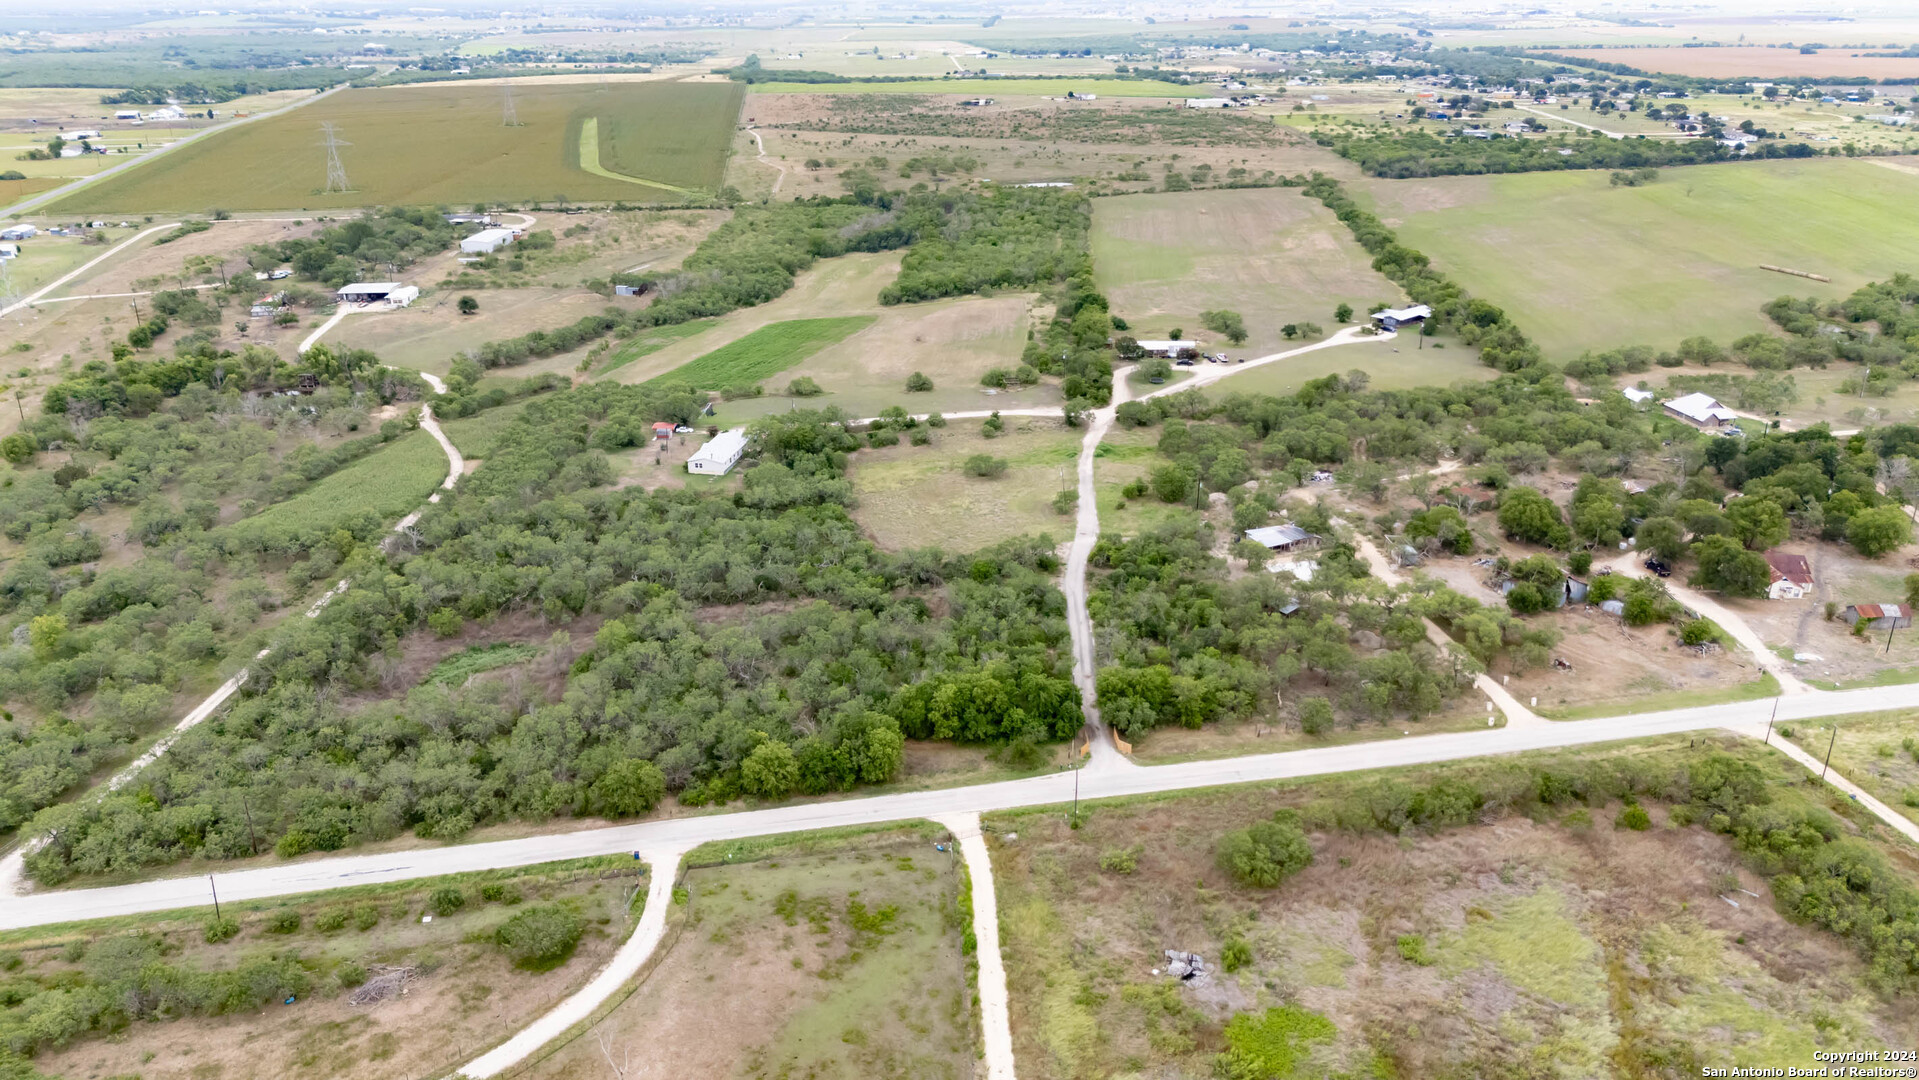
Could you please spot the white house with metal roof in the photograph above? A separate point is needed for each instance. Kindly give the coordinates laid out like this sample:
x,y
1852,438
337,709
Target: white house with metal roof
x,y
719,454
1701,409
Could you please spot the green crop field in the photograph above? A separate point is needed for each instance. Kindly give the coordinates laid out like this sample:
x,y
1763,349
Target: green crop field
x,y
1127,88
638,142
648,342
1585,265
763,353
1270,254
390,483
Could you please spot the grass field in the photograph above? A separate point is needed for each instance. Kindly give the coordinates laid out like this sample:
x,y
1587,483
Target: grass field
x,y
1268,253
1013,87
1584,265
920,496
12,191
809,956
389,483
473,435
650,341
763,353
1876,752
1551,946
444,144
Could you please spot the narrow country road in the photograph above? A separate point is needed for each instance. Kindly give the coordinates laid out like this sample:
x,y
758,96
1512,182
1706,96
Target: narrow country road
x,y
35,296
662,867
994,1002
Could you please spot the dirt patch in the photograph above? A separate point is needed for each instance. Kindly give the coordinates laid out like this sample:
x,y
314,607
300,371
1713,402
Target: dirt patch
x,y
1459,953
827,965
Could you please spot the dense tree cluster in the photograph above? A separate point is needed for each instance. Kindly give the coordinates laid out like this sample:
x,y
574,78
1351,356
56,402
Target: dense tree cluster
x,y
384,241
1402,155
828,655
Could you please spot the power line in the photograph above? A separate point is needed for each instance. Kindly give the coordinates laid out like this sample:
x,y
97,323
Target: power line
x,y
335,172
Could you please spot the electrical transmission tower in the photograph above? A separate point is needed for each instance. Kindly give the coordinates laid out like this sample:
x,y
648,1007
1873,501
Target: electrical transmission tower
x,y
508,117
335,172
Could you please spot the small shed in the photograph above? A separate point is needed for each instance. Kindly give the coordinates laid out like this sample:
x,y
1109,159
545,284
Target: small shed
x,y
663,430
719,454
1283,538
1879,616
486,241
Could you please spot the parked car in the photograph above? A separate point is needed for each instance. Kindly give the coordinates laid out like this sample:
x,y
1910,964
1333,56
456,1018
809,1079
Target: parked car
x,y
1659,567
279,274
1183,363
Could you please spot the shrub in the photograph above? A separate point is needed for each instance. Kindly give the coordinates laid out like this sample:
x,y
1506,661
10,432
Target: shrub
x,y
330,921
366,917
1262,1046
1697,632
1066,501
1579,820
1235,954
1265,854
498,893
446,900
1412,949
283,921
468,305
222,929
1120,860
935,420
540,937
349,975
1634,817
918,383
985,465
804,386
1580,562
1315,716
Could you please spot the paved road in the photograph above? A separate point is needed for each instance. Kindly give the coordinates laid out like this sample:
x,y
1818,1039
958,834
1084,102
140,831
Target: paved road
x,y
1747,717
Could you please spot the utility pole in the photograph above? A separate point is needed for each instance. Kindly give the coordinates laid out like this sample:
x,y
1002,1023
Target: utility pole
x,y
1889,632
1829,745
1770,719
216,897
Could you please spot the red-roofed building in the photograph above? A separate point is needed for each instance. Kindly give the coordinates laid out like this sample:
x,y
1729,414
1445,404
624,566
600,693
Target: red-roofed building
x,y
1791,576
1879,616
663,430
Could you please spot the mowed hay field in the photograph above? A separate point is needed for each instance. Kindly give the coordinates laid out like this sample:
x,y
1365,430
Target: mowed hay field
x,y
1585,265
1270,254
444,144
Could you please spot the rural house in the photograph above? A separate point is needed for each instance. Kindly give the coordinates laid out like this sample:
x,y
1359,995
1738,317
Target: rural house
x,y
719,454
391,293
1791,576
1169,348
1879,616
1283,538
1701,410
1636,395
1391,319
18,232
